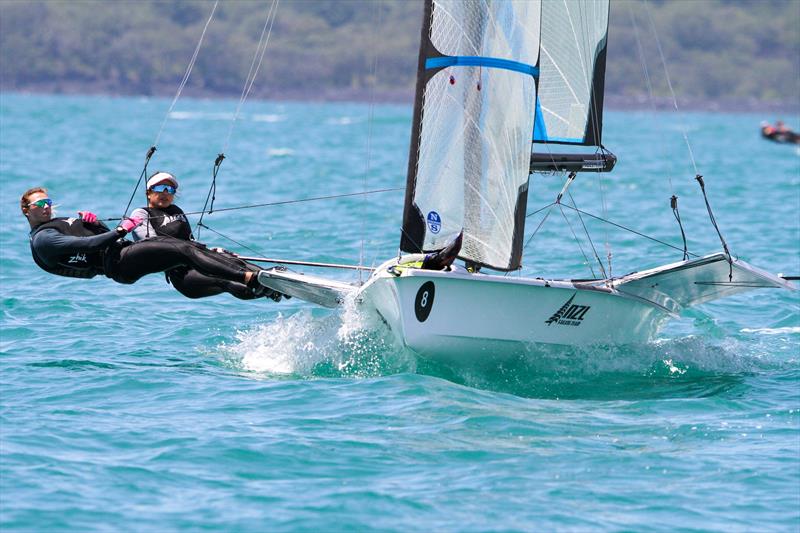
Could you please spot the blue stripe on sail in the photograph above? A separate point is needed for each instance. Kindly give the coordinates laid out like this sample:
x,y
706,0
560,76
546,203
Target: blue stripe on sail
x,y
539,127
540,130
571,140
479,61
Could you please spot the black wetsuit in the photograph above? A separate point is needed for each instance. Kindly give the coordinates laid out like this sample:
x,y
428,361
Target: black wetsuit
x,y
74,248
190,282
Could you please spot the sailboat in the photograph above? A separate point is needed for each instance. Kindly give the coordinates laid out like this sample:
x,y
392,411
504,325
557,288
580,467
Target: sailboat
x,y
499,84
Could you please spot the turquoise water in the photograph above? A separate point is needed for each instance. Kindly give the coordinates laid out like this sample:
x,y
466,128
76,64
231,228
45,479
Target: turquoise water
x,y
132,408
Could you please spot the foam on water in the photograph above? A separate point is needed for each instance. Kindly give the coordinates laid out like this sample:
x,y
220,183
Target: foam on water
x,y
772,331
342,343
272,118
279,152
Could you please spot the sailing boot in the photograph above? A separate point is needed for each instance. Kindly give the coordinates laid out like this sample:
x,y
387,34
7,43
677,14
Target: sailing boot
x,y
260,291
444,258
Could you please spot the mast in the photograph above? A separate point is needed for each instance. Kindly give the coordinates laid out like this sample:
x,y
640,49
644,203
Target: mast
x,y
413,230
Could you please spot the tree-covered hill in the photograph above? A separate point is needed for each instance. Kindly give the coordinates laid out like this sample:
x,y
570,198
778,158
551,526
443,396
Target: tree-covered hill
x,y
715,49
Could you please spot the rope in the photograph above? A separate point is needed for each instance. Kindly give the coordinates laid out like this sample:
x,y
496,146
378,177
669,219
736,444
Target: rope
x,y
186,74
589,237
699,179
251,73
669,82
283,202
212,193
620,226
231,239
150,153
569,224
674,206
248,84
370,120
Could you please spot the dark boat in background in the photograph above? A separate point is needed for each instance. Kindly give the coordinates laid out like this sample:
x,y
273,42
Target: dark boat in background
x,y
779,133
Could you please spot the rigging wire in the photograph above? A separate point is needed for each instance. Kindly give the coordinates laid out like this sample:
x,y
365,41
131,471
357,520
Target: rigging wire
x,y
669,82
231,239
620,226
182,84
649,84
142,174
589,238
281,202
186,74
251,74
674,198
370,121
577,241
550,206
698,176
255,65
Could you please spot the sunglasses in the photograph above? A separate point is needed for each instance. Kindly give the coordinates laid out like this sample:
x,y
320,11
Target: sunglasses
x,y
41,203
169,189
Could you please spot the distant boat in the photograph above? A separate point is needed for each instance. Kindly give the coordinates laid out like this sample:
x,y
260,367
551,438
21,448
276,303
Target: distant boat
x,y
497,81
779,133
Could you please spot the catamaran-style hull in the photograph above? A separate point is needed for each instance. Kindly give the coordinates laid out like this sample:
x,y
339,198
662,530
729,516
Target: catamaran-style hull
x,y
453,314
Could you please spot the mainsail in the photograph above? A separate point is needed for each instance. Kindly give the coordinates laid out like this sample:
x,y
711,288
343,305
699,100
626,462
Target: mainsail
x,y
471,136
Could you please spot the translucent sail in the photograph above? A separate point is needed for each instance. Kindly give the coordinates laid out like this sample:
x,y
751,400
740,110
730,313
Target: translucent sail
x,y
471,139
571,81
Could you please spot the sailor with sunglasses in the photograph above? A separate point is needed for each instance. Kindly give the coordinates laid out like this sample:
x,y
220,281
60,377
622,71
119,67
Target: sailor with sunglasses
x,y
83,247
163,218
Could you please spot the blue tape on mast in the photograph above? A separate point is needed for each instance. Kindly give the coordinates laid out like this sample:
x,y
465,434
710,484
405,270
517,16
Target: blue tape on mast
x,y
478,61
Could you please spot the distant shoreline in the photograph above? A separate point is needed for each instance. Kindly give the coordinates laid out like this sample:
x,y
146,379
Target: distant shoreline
x,y
614,102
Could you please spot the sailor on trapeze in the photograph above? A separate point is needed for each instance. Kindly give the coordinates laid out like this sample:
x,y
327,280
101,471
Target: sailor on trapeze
x,y
85,247
161,218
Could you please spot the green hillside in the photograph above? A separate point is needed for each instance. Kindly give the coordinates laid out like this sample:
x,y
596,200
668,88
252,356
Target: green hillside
x,y
715,49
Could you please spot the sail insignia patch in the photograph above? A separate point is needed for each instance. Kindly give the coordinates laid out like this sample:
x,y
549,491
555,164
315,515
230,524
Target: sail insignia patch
x,y
434,222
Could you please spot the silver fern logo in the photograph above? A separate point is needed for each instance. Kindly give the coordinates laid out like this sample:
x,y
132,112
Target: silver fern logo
x,y
569,314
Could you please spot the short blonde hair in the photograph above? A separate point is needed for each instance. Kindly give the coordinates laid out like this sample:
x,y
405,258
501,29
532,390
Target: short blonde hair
x,y
23,202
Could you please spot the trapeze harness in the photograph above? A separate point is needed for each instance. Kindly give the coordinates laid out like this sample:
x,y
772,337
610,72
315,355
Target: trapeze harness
x,y
171,222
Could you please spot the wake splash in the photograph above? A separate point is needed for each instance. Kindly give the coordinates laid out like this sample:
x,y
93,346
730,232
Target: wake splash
x,y
344,344
313,344
689,367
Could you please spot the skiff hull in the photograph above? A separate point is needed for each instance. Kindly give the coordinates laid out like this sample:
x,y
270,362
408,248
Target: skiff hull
x,y
452,314
456,313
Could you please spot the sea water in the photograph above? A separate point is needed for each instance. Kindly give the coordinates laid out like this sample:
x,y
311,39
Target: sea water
x,y
134,408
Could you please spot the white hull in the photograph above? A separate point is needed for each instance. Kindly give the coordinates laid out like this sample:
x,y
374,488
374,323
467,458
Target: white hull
x,y
456,313
474,313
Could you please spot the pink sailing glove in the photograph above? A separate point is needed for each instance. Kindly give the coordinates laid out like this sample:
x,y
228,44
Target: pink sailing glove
x,y
88,216
128,224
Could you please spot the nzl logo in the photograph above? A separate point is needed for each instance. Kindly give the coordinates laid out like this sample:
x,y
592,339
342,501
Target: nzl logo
x,y
569,314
